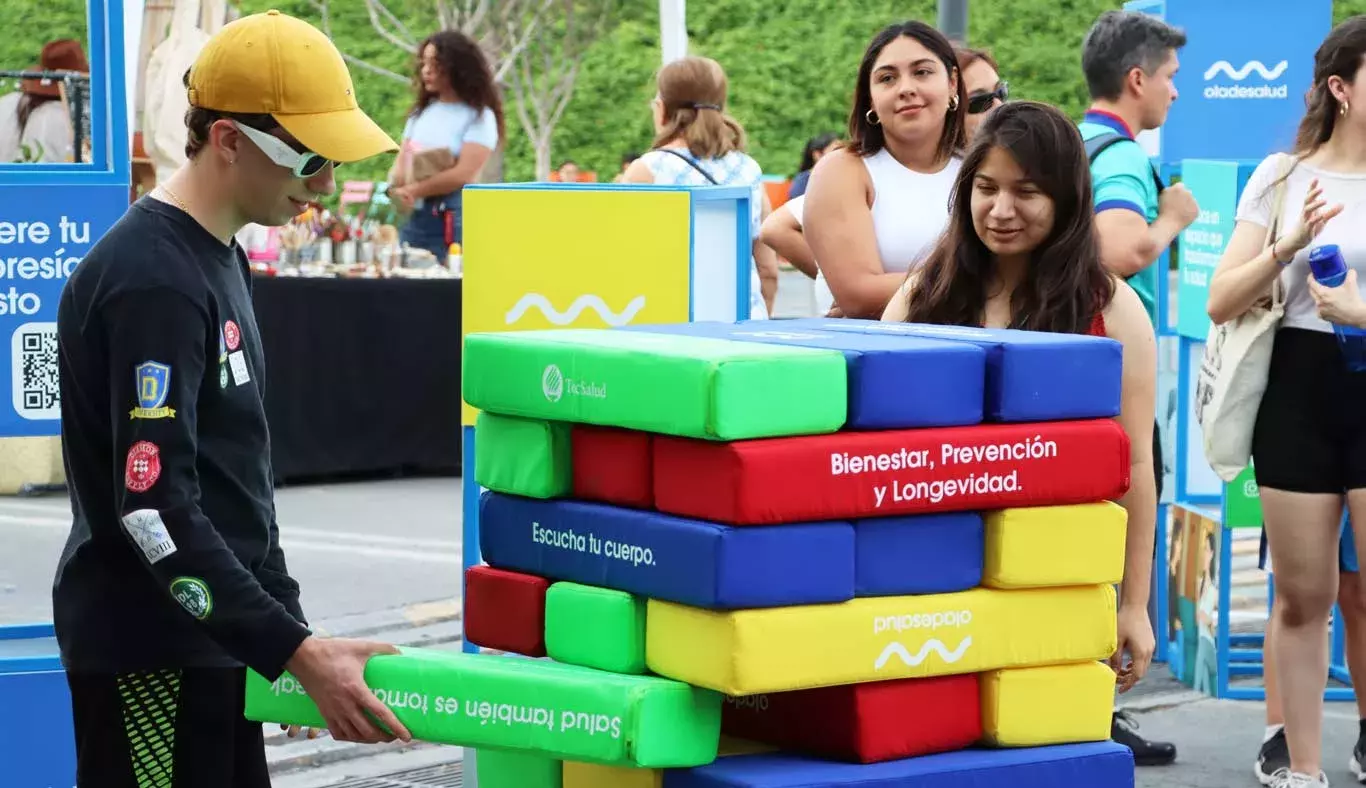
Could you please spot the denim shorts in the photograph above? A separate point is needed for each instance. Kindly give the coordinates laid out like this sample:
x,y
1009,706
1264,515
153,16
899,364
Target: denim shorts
x,y
426,228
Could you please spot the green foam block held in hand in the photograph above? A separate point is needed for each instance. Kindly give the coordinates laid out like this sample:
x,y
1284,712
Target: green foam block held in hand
x,y
511,769
535,706
527,457
691,387
595,627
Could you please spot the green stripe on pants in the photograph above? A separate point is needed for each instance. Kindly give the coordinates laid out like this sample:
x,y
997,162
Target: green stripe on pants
x,y
149,716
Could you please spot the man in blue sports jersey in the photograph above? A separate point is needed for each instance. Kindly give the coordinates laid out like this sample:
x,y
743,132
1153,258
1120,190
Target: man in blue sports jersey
x,y
1130,60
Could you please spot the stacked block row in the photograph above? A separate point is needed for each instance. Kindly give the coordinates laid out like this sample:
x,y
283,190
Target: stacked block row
x,y
872,554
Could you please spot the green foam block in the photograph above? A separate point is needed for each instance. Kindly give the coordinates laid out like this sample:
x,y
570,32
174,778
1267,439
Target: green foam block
x,y
595,627
538,706
528,457
512,769
675,385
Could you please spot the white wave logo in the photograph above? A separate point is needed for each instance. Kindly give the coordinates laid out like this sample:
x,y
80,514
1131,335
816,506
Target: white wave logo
x,y
586,301
895,649
1238,75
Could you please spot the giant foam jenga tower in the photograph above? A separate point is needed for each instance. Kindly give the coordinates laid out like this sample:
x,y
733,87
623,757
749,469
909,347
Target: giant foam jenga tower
x,y
808,553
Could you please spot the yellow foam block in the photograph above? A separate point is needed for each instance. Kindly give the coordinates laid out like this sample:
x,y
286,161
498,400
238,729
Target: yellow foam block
x,y
1056,704
746,652
1052,546
592,775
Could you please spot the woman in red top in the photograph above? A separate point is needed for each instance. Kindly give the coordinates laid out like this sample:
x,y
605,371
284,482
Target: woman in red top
x,y
1020,252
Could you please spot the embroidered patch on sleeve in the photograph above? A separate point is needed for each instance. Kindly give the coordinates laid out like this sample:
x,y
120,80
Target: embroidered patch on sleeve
x,y
149,533
153,382
143,467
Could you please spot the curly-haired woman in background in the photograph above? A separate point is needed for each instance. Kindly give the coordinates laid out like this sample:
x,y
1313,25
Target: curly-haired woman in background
x,y
457,108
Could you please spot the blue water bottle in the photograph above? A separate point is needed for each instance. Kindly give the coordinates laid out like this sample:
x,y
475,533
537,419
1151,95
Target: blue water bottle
x,y
1330,269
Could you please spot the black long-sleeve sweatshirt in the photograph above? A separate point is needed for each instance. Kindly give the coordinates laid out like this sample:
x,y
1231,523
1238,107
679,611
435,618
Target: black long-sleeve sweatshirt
x,y
174,557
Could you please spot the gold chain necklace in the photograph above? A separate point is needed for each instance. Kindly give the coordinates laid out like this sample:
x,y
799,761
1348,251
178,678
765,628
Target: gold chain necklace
x,y
179,202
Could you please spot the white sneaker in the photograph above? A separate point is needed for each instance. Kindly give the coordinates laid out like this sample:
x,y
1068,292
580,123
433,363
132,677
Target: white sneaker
x,y
1284,778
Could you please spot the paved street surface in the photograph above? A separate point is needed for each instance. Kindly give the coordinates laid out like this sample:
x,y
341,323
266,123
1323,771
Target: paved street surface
x,y
379,560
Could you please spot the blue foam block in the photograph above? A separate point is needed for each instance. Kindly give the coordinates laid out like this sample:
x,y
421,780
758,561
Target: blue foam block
x,y
1092,765
662,557
1031,375
924,554
894,382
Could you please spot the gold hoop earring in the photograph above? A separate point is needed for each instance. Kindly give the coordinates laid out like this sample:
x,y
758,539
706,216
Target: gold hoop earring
x,y
872,118
1345,108
953,103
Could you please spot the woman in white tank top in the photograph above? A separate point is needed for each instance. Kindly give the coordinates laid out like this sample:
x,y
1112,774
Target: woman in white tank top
x,y
875,208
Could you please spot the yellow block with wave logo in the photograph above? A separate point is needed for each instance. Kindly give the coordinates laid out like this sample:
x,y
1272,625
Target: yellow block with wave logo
x,y
540,256
746,652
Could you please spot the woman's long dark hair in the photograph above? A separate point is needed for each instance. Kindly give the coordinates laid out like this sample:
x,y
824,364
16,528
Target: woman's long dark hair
x,y
865,139
1065,286
468,71
813,146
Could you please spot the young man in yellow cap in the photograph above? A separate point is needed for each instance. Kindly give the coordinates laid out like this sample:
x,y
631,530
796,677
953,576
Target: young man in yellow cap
x,y
172,583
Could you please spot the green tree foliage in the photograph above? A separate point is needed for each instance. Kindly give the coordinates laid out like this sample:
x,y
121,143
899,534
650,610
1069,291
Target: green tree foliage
x,y
791,65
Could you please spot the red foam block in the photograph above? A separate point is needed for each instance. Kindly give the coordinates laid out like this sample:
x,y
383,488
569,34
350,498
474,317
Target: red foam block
x,y
612,466
848,475
505,610
865,723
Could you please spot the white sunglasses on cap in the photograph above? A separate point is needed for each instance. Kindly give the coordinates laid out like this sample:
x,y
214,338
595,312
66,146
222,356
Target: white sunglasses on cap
x,y
303,165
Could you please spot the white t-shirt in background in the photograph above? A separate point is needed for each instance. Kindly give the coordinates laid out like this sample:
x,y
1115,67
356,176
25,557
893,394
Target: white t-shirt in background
x,y
1348,189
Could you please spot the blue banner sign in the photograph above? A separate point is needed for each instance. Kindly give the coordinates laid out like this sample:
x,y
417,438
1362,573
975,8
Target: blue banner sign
x,y
50,216
1244,72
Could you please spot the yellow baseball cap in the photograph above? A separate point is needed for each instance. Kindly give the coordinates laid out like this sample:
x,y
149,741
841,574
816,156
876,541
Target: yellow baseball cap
x,y
275,64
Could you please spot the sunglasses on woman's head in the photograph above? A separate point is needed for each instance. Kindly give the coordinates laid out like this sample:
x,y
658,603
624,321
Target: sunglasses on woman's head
x,y
303,165
981,102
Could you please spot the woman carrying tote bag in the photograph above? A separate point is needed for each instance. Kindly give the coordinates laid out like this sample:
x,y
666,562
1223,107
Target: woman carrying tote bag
x,y
1308,427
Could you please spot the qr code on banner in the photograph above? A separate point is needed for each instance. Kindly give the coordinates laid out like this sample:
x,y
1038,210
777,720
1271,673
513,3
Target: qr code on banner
x,y
34,380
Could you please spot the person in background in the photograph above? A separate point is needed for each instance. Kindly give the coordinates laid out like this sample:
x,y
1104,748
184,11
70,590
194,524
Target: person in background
x,y
172,583
698,144
782,232
815,148
876,207
1273,755
1309,438
983,84
1020,252
569,171
626,160
1129,60
457,108
34,123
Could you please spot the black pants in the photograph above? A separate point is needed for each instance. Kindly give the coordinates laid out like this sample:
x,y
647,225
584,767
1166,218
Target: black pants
x,y
166,729
1157,460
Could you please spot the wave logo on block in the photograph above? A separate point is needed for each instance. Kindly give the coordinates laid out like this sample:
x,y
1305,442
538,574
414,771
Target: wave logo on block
x,y
895,649
552,383
576,307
